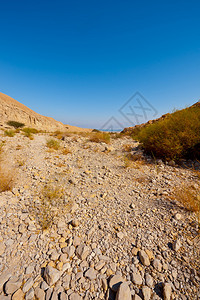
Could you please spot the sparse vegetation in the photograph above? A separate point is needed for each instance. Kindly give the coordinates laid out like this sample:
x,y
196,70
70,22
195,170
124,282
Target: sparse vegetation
x,y
28,132
15,124
53,144
127,148
66,151
51,204
98,137
174,137
133,160
9,133
6,175
189,197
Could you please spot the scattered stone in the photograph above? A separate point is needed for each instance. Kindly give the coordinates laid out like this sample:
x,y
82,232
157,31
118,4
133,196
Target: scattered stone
x,y
115,282
28,285
176,245
30,294
91,274
123,292
75,296
149,280
39,294
136,278
157,265
82,252
144,258
12,286
167,290
136,297
178,217
51,275
146,291
18,295
75,223
63,296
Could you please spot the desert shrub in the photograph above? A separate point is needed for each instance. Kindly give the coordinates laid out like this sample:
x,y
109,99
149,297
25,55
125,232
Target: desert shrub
x,y
53,144
7,178
127,148
66,151
9,133
174,137
98,137
133,160
15,124
189,197
51,205
29,131
58,134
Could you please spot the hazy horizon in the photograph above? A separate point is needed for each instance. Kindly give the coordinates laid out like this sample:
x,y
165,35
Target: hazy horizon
x,y
82,62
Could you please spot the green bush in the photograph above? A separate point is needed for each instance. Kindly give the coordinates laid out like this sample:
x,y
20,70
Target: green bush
x,y
15,124
175,137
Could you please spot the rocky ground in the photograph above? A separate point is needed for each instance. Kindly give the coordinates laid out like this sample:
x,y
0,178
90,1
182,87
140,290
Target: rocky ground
x,y
83,226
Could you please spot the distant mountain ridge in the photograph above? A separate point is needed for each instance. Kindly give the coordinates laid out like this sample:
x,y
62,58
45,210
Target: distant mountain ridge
x,y
13,110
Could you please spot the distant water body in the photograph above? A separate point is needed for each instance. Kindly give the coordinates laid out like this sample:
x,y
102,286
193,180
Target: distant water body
x,y
113,130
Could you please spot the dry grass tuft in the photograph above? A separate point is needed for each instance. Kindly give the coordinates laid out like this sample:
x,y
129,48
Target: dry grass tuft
x,y
50,205
28,132
7,178
98,137
189,197
53,144
127,148
65,151
9,133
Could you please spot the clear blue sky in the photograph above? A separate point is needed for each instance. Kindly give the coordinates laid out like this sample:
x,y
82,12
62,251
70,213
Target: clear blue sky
x,y
80,61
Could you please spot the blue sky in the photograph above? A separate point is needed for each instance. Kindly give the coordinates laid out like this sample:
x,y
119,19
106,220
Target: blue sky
x,y
80,61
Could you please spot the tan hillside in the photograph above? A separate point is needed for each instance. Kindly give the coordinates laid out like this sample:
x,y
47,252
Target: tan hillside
x,y
13,110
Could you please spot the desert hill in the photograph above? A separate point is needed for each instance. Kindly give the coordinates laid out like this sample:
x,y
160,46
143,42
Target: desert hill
x,y
13,110
133,129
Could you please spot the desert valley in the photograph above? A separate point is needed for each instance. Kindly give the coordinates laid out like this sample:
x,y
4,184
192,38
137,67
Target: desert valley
x,y
91,215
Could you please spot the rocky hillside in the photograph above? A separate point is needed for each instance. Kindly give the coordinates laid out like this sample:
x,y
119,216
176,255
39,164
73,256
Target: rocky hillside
x,y
82,222
134,129
12,110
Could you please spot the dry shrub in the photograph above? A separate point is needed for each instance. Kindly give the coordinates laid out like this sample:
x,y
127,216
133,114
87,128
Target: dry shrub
x,y
189,197
98,137
133,160
50,205
53,144
28,132
65,151
127,148
9,133
7,178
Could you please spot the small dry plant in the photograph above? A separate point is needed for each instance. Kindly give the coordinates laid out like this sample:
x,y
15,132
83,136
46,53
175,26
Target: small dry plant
x,y
50,205
98,137
127,148
133,160
53,144
9,133
189,197
7,178
65,151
